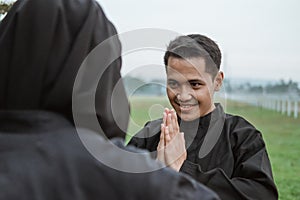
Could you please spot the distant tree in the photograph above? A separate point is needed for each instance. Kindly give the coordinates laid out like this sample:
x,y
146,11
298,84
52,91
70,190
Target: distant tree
x,y
228,86
5,6
256,89
132,84
283,87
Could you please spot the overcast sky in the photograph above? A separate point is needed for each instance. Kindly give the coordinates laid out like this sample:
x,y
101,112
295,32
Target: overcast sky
x,y
259,39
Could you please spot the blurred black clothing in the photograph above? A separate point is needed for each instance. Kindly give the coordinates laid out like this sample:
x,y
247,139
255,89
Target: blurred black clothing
x,y
237,167
42,157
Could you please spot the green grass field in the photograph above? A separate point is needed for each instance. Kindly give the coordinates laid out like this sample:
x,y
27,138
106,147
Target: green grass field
x,y
281,134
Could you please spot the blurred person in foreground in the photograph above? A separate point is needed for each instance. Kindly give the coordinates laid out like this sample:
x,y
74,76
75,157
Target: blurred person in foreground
x,y
42,46
222,151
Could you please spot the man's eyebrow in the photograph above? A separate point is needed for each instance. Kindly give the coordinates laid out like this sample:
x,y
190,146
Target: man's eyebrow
x,y
190,81
196,80
170,79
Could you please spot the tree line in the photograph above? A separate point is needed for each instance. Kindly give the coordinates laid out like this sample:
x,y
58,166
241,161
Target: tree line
x,y
4,7
279,87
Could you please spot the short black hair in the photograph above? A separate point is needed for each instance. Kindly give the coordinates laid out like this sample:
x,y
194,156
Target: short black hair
x,y
196,45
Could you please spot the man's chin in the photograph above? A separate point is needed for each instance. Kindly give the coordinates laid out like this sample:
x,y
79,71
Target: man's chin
x,y
188,117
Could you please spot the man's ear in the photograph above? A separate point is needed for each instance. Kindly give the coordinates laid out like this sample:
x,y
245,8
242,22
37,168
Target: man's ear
x,y
218,81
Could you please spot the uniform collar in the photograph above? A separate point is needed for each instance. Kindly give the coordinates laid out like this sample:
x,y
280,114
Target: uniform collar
x,y
205,120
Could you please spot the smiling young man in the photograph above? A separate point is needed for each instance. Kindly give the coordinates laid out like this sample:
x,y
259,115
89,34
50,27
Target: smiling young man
x,y
222,151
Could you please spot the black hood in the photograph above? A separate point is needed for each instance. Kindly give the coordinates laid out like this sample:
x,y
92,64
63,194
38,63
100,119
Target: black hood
x,y
42,45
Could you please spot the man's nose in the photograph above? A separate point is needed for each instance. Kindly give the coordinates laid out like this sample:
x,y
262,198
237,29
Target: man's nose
x,y
185,94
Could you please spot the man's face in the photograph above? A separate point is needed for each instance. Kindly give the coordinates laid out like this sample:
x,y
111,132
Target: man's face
x,y
190,89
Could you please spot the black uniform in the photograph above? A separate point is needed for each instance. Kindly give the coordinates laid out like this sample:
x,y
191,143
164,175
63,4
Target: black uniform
x,y
42,45
224,152
42,157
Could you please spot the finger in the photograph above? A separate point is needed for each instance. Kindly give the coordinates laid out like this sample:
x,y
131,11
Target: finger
x,y
184,154
167,110
167,135
160,147
162,134
174,115
170,125
175,121
160,152
182,138
164,118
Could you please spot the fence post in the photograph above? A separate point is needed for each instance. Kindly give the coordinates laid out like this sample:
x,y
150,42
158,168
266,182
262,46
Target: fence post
x,y
283,107
274,104
289,108
296,109
278,105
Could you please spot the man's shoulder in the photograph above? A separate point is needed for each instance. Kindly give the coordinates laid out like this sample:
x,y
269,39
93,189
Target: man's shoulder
x,y
151,128
154,124
241,129
230,121
237,121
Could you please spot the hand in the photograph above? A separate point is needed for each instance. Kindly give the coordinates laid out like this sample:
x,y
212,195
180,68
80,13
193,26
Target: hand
x,y
175,152
171,147
167,119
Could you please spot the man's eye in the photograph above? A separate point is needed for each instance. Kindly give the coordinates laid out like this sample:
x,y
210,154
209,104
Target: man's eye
x,y
173,84
196,84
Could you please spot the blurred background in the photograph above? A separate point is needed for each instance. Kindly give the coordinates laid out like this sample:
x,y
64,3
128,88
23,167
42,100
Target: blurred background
x,y
260,44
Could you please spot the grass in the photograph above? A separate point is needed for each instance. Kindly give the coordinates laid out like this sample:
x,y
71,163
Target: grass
x,y
282,137
144,109
281,134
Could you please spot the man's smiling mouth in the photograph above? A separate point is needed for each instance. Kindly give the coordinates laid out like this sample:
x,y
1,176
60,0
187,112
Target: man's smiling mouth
x,y
184,107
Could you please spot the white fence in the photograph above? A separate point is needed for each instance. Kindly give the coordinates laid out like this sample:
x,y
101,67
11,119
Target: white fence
x,y
287,105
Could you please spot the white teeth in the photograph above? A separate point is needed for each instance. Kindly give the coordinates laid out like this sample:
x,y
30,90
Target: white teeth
x,y
185,106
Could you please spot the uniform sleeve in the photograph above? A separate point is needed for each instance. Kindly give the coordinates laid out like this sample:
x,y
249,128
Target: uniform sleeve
x,y
252,176
148,137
